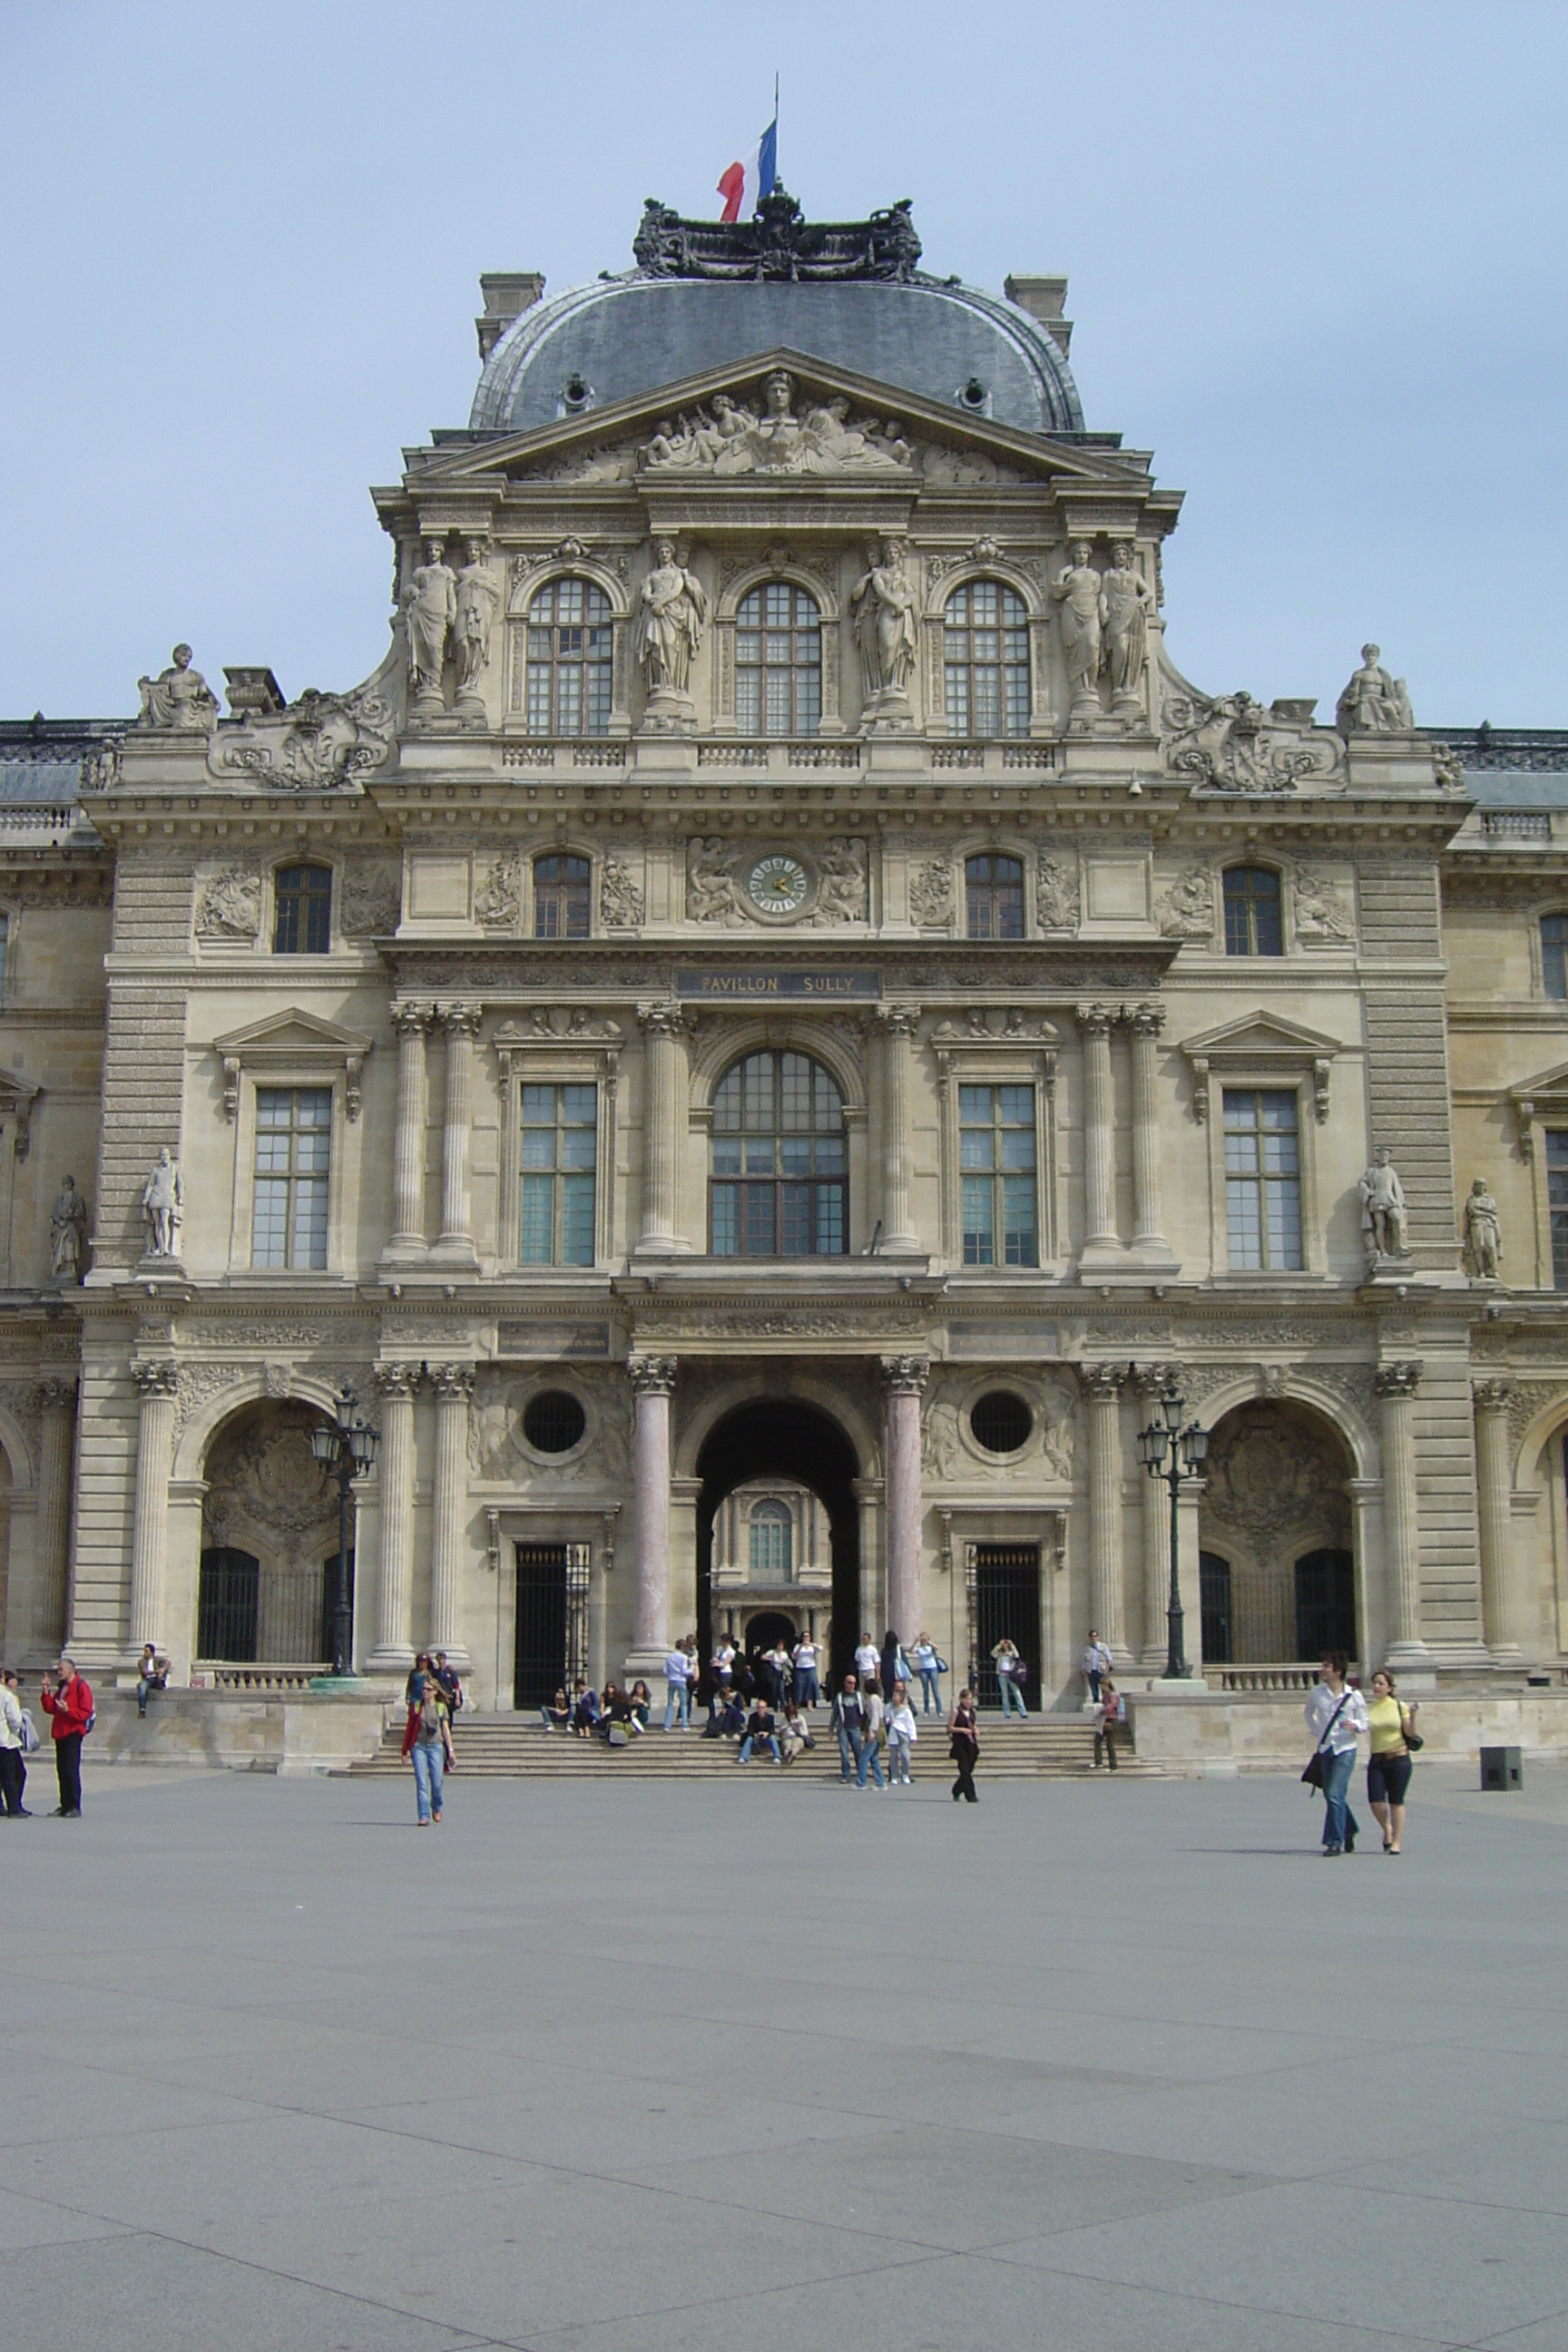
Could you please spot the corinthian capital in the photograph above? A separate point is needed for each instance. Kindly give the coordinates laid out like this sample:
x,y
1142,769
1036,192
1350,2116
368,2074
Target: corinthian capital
x,y
897,1020
1146,1020
1097,1020
663,1018
1397,1379
460,1017
156,1380
652,1375
1492,1395
905,1375
1103,1384
410,1018
395,1380
452,1381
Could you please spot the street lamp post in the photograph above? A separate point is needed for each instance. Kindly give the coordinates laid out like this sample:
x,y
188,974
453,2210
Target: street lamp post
x,y
345,1447
1168,1451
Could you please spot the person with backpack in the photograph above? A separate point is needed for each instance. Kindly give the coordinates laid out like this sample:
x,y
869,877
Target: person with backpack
x,y
67,1703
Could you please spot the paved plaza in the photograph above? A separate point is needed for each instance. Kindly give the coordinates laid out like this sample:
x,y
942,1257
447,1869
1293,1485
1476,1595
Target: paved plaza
x,y
1093,2064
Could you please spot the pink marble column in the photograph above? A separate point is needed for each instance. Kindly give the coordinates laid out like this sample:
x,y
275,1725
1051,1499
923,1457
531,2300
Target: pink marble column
x,y
903,1379
653,1380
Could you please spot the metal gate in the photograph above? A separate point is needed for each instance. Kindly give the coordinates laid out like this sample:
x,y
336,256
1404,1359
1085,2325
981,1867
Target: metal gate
x,y
1003,1590
1325,1603
552,1641
229,1604
1213,1601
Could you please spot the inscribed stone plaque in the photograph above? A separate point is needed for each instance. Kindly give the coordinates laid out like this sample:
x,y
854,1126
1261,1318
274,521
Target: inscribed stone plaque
x,y
541,1338
743,986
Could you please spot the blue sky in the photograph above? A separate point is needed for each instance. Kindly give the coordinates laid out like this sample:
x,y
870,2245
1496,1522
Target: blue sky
x,y
1316,262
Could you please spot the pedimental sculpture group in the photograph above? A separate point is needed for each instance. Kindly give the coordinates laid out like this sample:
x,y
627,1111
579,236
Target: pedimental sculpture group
x,y
762,1039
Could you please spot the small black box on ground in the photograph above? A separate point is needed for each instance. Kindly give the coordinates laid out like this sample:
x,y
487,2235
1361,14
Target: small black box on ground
x,y
1502,1768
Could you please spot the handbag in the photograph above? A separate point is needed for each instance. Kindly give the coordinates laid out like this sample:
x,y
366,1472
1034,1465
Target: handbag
x,y
617,1736
1313,1775
1413,1740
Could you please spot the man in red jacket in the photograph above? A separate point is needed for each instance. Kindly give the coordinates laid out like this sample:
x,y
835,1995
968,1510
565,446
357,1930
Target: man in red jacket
x,y
68,1705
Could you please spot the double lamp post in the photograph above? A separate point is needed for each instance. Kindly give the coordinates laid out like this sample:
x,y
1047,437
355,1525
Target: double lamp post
x,y
1177,1455
346,1448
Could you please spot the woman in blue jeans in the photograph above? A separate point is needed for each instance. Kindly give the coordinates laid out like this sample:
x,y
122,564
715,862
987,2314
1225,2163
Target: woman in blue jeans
x,y
1336,1717
428,1749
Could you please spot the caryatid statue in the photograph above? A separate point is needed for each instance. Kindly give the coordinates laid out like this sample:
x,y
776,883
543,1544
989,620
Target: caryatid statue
x,y
477,596
1373,703
1077,589
163,1206
68,1234
429,609
1483,1232
671,612
1126,601
1383,1208
883,606
179,699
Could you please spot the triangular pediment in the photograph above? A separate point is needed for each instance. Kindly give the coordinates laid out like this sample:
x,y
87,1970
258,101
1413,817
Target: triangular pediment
x,y
294,1032
1546,1083
621,441
1260,1036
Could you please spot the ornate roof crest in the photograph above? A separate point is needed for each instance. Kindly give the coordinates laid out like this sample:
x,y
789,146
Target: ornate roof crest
x,y
778,242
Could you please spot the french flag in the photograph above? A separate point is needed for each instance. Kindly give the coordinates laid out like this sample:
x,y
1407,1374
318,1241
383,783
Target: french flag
x,y
743,185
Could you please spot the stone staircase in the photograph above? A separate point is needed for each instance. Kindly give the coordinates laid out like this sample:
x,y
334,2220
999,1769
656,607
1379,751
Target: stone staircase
x,y
509,1748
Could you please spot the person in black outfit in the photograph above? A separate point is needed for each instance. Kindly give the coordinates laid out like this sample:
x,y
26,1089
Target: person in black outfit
x,y
890,1663
963,1747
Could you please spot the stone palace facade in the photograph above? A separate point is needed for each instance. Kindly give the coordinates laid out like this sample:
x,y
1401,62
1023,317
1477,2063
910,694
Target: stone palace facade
x,y
762,1039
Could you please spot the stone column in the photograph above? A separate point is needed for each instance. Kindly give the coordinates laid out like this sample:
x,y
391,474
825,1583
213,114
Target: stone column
x,y
653,1382
461,1022
1148,1239
1094,1022
898,1238
411,1022
454,1385
1102,1387
1153,1380
664,1028
57,1403
159,1385
1396,1385
1496,1520
393,1651
904,1383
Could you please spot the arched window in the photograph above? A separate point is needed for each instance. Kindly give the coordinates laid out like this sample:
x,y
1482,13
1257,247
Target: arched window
x,y
780,1185
778,662
304,910
993,890
1554,954
570,659
986,648
560,898
772,1528
1252,921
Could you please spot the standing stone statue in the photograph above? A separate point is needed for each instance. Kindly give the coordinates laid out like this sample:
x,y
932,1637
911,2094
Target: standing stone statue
x,y
68,1234
671,612
1483,1232
179,699
1126,601
429,609
476,598
1076,590
1383,1209
1373,703
883,608
163,1206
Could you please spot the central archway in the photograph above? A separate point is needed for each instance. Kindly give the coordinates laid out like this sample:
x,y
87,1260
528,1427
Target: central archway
x,y
786,1438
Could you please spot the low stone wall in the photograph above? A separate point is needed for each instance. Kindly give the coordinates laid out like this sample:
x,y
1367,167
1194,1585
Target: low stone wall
x,y
1227,1733
242,1731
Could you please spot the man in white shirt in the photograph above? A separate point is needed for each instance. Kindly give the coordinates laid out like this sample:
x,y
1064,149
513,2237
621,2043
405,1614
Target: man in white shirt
x,y
867,1660
13,1769
1095,1660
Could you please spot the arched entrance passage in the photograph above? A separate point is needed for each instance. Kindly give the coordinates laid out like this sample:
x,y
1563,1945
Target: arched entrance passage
x,y
1278,1570
783,1438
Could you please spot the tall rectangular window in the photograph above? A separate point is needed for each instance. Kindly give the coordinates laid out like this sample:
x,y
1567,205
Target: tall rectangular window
x,y
560,1132
303,911
996,1170
1554,955
1557,1204
1253,923
293,1159
1262,1180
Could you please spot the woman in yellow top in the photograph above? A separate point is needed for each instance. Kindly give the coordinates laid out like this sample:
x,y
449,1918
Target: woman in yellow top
x,y
1391,1724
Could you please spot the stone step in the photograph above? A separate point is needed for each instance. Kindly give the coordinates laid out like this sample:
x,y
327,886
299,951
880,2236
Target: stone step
x,y
504,1749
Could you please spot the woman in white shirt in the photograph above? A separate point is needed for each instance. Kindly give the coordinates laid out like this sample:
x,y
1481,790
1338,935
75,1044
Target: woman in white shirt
x,y
805,1690
1336,1717
901,1736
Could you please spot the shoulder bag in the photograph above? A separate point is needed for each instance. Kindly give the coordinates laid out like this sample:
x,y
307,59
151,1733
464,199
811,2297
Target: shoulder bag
x,y
1412,1738
1313,1775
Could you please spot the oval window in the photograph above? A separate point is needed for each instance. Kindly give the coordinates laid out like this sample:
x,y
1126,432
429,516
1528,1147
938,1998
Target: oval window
x,y
1000,1422
553,1421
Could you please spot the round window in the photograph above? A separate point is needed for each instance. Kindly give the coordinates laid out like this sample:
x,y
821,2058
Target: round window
x,y
1000,1422
553,1421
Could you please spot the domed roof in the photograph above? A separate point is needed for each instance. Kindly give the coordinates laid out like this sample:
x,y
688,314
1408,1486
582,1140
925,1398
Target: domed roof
x,y
705,296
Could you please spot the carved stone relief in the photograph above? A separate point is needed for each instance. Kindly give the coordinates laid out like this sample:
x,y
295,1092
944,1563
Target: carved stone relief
x,y
262,1473
320,740
1322,918
1187,910
228,904
371,897
497,896
931,893
1056,893
620,898
841,883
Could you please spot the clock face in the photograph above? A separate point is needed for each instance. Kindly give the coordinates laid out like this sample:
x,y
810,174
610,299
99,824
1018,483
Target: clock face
x,y
778,885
